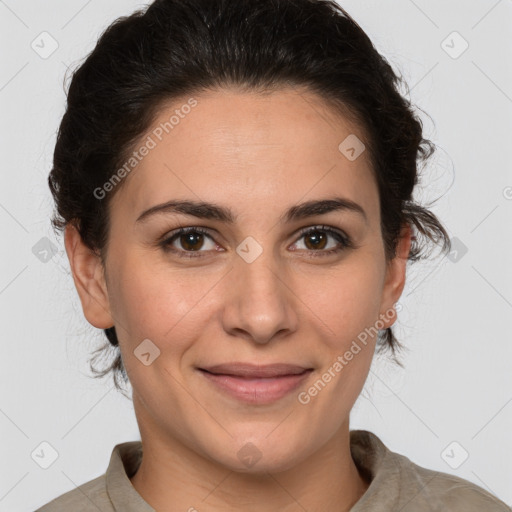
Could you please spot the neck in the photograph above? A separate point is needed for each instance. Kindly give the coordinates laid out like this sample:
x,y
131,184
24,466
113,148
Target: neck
x,y
172,477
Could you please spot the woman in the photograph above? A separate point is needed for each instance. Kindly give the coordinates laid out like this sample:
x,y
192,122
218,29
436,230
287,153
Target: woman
x,y
235,182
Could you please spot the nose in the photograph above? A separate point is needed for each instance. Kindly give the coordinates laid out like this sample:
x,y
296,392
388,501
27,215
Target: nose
x,y
260,304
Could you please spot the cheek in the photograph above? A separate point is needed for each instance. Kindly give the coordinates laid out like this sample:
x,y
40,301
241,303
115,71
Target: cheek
x,y
149,307
158,304
148,298
347,301
350,345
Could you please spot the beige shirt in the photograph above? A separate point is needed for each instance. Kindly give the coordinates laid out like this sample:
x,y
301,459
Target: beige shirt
x,y
397,484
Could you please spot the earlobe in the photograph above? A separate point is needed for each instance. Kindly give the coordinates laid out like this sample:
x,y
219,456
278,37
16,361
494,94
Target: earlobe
x,y
395,277
89,279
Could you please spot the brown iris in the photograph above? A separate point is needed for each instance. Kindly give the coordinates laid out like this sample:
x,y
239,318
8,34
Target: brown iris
x,y
192,241
319,239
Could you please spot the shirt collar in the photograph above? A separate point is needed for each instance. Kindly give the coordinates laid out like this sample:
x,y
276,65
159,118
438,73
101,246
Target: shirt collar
x,y
124,462
381,467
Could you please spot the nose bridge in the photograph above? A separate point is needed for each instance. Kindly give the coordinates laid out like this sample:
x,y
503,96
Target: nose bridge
x,y
259,275
260,264
260,302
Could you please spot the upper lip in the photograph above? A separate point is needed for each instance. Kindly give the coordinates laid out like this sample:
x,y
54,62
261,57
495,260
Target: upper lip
x,y
257,371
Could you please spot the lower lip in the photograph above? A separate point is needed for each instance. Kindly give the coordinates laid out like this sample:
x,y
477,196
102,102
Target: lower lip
x,y
257,391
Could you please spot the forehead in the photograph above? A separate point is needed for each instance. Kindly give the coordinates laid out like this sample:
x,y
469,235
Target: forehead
x,y
249,149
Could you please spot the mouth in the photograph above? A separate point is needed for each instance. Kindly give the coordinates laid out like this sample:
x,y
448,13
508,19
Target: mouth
x,y
256,384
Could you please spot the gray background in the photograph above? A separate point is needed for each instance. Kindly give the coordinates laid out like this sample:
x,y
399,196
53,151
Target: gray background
x,y
455,394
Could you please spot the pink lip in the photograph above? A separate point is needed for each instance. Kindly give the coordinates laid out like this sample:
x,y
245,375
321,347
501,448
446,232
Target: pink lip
x,y
262,390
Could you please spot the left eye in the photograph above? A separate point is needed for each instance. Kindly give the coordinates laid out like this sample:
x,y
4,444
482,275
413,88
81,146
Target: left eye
x,y
316,240
192,240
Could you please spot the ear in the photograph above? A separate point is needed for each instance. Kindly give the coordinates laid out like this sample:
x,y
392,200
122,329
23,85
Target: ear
x,y
395,277
88,275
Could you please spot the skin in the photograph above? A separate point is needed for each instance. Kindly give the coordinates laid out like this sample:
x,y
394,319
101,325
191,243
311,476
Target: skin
x,y
257,155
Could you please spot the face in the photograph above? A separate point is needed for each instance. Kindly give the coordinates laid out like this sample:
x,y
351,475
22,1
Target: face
x,y
263,281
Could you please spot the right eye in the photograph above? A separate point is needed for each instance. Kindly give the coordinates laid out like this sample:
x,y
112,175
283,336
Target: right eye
x,y
191,240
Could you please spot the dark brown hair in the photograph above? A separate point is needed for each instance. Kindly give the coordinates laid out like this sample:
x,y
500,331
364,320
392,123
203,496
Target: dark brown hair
x,y
175,48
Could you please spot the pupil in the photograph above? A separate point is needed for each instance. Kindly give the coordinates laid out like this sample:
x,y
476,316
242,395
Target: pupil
x,y
318,239
189,240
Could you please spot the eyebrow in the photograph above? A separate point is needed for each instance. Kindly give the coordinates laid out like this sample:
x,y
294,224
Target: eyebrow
x,y
205,210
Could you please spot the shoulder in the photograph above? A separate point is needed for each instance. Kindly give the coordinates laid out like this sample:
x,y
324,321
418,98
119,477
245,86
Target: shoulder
x,y
443,491
88,497
397,483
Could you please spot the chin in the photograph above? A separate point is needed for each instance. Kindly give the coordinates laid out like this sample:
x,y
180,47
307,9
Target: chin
x,y
260,455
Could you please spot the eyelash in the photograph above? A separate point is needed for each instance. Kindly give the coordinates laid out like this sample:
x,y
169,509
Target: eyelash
x,y
344,240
